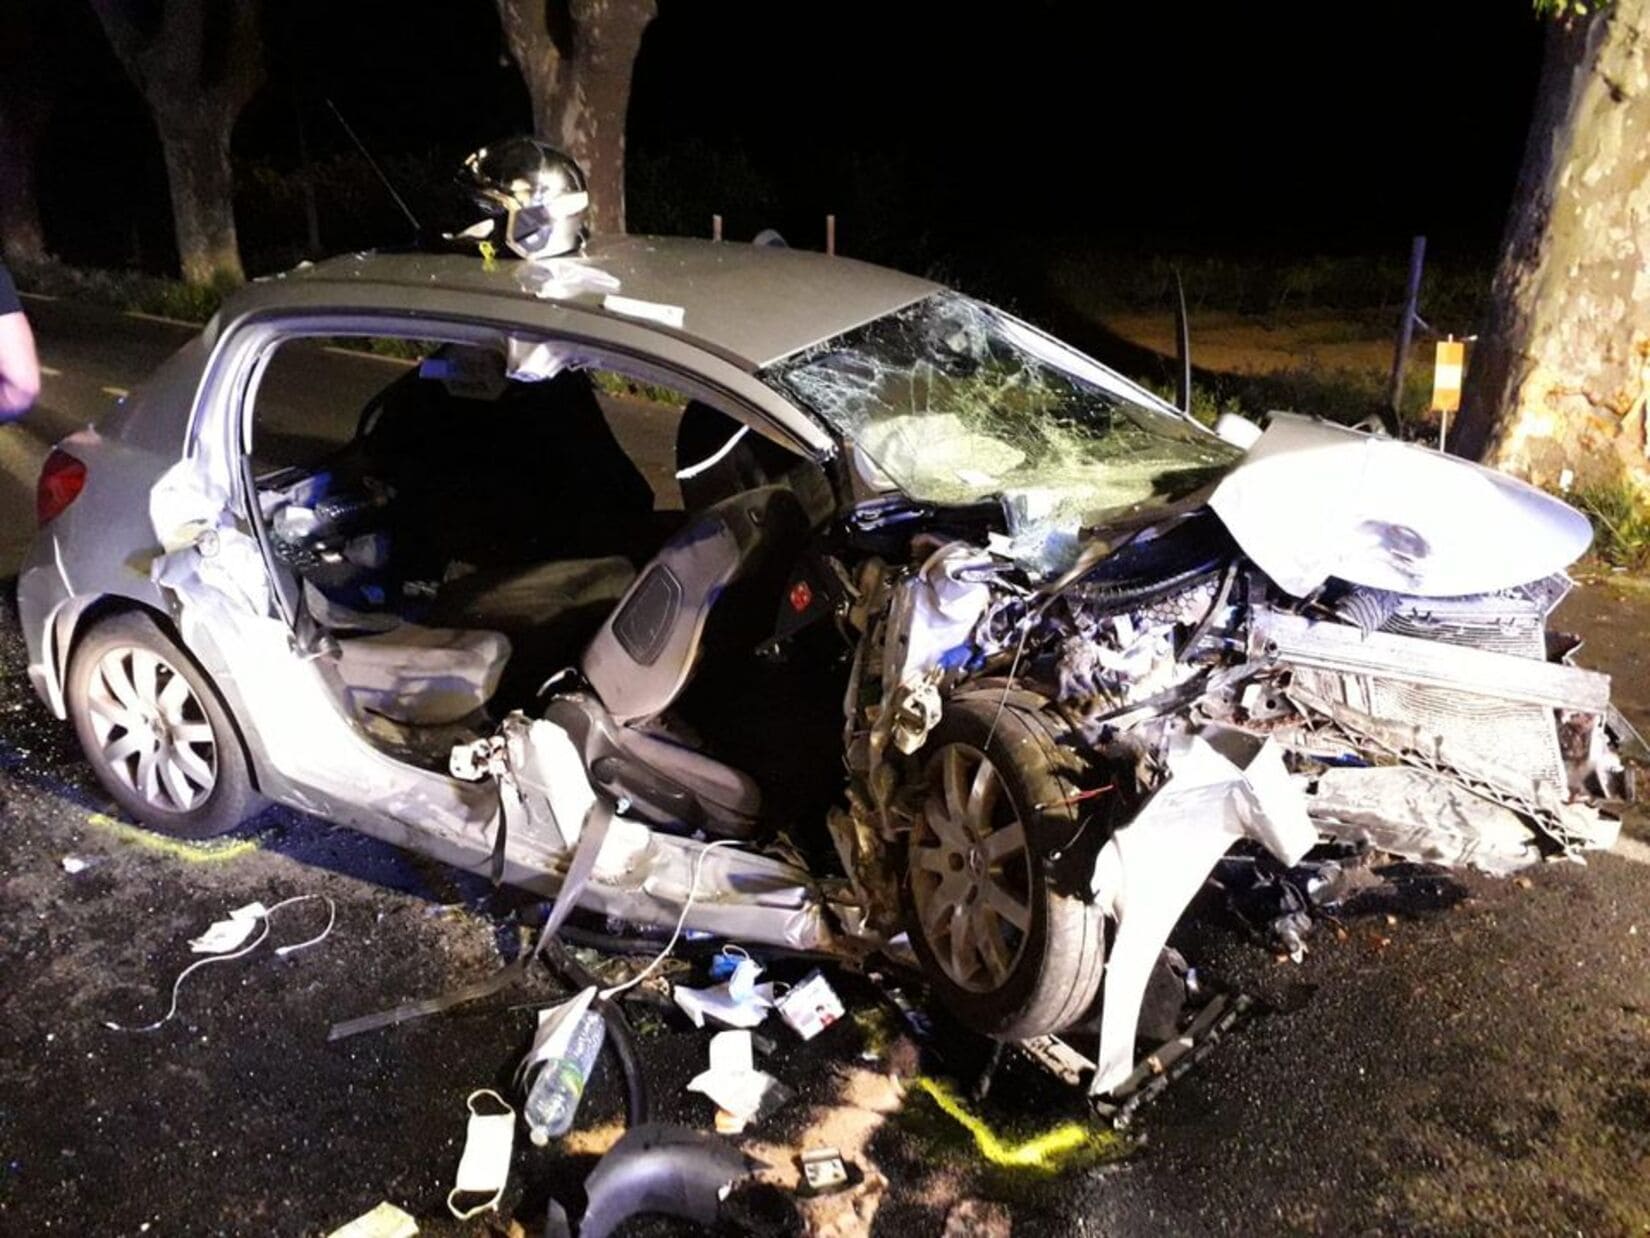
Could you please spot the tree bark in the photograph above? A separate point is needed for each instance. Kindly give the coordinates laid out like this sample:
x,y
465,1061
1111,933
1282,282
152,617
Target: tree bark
x,y
1559,381
28,84
22,239
577,58
202,186
197,66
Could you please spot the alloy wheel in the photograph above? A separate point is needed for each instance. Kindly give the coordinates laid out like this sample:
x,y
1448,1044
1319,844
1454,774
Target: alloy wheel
x,y
151,730
970,871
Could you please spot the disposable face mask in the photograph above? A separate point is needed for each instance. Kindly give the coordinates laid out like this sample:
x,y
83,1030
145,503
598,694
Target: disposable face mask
x,y
485,1166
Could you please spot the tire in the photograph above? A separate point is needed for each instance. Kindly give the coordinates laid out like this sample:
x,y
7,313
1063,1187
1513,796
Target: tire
x,y
155,731
1043,974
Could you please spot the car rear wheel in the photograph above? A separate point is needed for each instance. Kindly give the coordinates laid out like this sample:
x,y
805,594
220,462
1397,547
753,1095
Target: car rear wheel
x,y
155,732
1009,954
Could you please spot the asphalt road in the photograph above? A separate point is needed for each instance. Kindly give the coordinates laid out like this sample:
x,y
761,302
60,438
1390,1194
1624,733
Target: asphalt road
x,y
1466,1056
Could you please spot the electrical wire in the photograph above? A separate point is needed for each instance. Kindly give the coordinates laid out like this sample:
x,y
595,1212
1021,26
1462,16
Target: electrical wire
x,y
676,933
177,985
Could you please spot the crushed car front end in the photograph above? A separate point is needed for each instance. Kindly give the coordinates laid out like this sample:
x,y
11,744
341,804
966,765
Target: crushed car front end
x,y
1057,722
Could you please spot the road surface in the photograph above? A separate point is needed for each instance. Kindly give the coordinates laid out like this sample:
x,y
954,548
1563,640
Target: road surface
x,y
1471,1056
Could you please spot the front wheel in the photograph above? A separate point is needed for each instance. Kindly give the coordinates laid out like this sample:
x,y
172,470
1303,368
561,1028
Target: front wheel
x,y
1009,954
154,731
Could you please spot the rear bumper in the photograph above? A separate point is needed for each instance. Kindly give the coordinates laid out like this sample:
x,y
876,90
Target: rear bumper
x,y
42,593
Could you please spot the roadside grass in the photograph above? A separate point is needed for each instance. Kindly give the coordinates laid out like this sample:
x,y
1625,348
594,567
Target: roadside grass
x,y
1336,393
1453,292
1621,522
131,291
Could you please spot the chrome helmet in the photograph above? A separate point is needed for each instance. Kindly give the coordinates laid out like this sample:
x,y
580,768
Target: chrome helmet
x,y
535,195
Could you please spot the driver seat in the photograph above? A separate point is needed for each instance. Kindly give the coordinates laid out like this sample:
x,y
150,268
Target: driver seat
x,y
712,591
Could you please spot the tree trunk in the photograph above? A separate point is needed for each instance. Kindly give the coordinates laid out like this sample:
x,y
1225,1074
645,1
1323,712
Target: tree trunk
x,y
197,63
22,239
1559,381
577,58
202,185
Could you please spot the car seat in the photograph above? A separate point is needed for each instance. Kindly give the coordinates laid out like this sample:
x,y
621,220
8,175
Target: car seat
x,y
712,591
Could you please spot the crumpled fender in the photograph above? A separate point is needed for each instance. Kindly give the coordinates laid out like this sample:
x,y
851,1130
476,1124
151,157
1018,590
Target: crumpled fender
x,y
1224,784
1313,500
658,1168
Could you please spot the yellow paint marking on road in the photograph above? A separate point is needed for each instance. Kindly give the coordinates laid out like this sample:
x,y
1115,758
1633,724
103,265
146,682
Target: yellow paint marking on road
x,y
1048,1151
51,371
120,393
209,851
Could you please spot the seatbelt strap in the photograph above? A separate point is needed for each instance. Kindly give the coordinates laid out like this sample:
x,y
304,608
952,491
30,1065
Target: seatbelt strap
x,y
500,834
579,868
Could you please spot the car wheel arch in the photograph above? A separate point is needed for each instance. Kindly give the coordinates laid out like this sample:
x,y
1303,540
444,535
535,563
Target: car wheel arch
x,y
95,611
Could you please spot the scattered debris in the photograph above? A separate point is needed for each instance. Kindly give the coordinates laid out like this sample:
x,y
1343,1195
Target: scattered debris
x,y
484,1167
558,1065
73,864
1173,1059
384,1221
811,1006
737,1002
222,936
241,921
669,1170
733,1082
823,1172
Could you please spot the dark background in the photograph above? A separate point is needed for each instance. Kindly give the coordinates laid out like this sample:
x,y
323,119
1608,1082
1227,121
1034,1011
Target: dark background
x,y
945,137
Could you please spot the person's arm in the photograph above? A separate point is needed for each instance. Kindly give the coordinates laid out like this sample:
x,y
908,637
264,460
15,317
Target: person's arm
x,y
19,367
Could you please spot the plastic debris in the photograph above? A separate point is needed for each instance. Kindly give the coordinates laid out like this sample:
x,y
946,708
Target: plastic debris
x,y
384,1221
74,864
811,1006
737,1002
251,916
733,1082
222,936
484,1167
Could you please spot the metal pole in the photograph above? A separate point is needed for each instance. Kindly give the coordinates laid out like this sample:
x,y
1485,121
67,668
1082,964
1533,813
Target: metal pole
x,y
830,234
1406,325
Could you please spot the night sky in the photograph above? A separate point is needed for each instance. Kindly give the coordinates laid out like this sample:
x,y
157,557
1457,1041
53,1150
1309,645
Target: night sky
x,y
931,129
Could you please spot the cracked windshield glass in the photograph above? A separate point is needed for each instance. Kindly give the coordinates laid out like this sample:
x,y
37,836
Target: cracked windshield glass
x,y
953,401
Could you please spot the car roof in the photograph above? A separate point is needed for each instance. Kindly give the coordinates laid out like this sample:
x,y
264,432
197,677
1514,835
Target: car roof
x,y
751,303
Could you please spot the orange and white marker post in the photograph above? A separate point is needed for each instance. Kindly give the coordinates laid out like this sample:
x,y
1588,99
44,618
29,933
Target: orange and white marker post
x,y
1447,369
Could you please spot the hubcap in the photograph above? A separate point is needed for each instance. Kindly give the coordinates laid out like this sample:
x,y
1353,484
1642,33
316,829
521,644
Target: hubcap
x,y
151,729
971,871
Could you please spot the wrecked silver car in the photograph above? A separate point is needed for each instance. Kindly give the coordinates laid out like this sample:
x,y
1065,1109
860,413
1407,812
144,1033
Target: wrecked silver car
x,y
887,617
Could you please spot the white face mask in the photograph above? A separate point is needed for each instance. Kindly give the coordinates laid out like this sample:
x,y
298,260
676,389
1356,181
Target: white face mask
x,y
485,1166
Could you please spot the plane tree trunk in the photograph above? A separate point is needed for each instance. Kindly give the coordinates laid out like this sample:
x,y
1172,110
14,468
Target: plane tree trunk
x,y
197,64
577,58
22,239
26,90
1559,381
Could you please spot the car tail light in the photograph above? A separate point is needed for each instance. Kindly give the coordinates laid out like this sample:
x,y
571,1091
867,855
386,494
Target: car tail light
x,y
61,480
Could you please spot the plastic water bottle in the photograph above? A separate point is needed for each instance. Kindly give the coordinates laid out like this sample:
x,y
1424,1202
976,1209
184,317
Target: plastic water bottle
x,y
554,1094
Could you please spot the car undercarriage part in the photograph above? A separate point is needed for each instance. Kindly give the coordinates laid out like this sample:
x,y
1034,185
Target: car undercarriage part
x,y
670,1170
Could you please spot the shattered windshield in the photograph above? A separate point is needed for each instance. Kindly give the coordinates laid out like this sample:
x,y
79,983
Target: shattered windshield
x,y
953,401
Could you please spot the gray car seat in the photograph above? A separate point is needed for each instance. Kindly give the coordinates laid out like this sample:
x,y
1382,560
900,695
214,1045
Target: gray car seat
x,y
713,590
